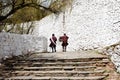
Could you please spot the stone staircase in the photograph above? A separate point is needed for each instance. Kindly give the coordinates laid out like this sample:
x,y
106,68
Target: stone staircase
x,y
93,68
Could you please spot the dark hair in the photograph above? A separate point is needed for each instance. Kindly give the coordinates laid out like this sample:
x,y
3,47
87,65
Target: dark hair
x,y
53,34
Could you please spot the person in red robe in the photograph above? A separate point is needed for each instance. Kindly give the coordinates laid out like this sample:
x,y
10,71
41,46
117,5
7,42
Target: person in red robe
x,y
53,40
64,40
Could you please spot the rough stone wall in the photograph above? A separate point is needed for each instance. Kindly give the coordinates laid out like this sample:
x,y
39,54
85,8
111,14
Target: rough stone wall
x,y
88,23
15,44
113,51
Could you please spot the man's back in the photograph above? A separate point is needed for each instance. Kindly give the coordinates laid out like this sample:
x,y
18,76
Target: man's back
x,y
54,39
64,38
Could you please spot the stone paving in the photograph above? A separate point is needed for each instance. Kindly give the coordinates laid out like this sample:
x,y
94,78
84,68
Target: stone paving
x,y
80,54
87,56
68,55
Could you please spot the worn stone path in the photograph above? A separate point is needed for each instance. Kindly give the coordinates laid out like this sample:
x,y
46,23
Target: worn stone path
x,y
83,65
68,55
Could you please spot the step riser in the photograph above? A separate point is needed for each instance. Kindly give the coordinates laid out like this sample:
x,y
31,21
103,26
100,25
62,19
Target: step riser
x,y
91,68
50,78
60,64
63,60
72,69
60,74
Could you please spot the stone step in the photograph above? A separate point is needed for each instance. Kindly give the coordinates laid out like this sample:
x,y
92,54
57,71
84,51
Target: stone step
x,y
71,63
55,68
61,68
55,78
101,63
58,73
97,71
65,60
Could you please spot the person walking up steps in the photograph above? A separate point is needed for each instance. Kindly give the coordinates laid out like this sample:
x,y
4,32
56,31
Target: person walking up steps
x,y
64,40
53,40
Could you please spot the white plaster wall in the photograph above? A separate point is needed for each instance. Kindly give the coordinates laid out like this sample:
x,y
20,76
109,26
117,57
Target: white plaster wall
x,y
89,24
15,44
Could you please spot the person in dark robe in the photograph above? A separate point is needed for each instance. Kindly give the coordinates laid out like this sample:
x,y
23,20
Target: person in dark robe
x,y
64,40
53,40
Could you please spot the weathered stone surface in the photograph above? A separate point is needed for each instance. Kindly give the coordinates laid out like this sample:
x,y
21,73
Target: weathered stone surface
x,y
60,71
15,44
114,52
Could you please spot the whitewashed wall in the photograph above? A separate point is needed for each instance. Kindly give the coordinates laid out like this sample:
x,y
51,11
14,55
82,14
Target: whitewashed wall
x,y
89,24
15,44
